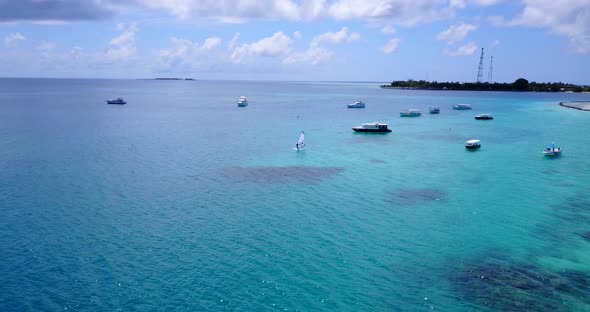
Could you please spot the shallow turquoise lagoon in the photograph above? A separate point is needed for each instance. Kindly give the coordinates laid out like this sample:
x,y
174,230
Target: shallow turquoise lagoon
x,y
181,201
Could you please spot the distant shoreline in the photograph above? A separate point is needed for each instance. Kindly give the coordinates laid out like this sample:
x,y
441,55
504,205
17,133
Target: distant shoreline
x,y
580,105
519,85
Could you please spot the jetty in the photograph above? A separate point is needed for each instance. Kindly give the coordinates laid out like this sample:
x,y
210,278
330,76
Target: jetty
x,y
581,105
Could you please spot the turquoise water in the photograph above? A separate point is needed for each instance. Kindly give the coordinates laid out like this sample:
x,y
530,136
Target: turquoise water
x,y
182,201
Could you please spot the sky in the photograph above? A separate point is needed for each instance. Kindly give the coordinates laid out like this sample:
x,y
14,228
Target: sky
x,y
302,40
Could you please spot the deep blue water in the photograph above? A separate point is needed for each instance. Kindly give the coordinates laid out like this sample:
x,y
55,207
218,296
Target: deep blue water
x,y
181,201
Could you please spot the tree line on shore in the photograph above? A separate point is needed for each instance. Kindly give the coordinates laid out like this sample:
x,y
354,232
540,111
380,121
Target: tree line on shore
x,y
519,84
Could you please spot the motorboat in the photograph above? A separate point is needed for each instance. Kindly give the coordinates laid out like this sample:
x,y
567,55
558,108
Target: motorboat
x,y
371,127
434,110
484,117
242,101
472,144
462,106
119,101
357,104
552,150
410,113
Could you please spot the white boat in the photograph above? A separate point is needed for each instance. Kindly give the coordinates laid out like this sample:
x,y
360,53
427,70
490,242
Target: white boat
x,y
300,142
434,110
472,144
357,104
552,150
119,101
242,101
484,117
462,106
371,127
410,113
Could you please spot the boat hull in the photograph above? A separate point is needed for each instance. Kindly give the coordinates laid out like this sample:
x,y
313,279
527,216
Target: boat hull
x,y
356,106
242,105
472,147
552,154
409,115
435,112
370,130
116,103
484,118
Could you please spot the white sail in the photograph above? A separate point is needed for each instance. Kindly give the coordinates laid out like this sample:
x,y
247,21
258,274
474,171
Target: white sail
x,y
301,141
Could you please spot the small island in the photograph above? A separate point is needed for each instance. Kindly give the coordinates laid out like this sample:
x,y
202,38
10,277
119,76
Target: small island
x,y
519,84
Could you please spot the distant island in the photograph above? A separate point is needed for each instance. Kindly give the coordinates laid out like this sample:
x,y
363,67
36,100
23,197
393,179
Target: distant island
x,y
174,79
519,84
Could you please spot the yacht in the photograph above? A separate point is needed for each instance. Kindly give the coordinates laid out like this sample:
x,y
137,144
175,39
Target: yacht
x,y
371,127
119,101
357,104
462,106
552,150
484,117
434,110
472,144
410,113
242,101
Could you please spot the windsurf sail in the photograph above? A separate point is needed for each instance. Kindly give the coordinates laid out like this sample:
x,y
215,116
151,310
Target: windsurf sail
x,y
301,142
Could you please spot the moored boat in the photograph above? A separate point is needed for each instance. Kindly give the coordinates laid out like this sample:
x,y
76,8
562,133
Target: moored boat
x,y
242,101
484,117
552,150
410,113
434,110
371,127
119,101
357,104
462,106
472,144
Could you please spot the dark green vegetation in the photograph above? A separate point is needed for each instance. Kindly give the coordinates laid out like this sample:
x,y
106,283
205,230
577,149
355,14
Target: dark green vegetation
x,y
519,84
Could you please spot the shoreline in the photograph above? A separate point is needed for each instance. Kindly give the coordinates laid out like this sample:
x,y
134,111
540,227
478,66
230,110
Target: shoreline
x,y
579,105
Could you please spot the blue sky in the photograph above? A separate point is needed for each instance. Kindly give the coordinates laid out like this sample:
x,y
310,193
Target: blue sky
x,y
337,40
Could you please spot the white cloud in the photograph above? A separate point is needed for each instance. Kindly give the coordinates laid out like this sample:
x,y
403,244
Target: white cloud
x,y
455,33
394,12
487,2
46,46
467,49
12,40
315,53
391,46
570,19
185,55
335,37
388,30
297,34
494,44
122,47
234,40
400,12
278,44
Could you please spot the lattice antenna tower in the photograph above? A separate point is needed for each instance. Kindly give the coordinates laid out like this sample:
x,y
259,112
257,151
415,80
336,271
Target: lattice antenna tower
x,y
490,73
480,68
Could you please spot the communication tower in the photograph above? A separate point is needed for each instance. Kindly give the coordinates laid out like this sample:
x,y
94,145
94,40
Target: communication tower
x,y
480,68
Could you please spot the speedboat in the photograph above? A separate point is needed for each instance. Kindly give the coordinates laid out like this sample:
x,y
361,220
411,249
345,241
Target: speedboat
x,y
410,113
462,106
371,127
484,117
119,101
242,101
434,110
357,104
552,150
472,144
